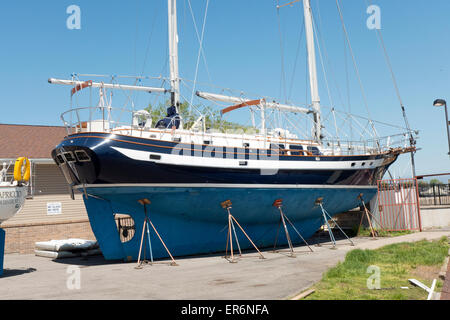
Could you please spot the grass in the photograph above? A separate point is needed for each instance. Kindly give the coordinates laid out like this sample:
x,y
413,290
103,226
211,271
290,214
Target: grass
x,y
398,263
365,232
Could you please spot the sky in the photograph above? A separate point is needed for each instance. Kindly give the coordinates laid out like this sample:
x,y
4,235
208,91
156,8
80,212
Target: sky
x,y
246,44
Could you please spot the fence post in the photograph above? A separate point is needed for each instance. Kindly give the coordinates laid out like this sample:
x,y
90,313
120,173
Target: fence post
x,y
434,195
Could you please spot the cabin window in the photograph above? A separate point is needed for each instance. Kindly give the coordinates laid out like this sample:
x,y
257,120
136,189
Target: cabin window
x,y
82,156
296,147
277,149
314,151
155,157
60,159
69,156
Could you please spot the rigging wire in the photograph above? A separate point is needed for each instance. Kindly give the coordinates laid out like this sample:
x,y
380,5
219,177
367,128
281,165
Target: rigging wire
x,y
199,54
355,65
412,141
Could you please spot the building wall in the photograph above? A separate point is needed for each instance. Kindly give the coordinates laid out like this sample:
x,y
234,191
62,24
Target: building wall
x,y
33,223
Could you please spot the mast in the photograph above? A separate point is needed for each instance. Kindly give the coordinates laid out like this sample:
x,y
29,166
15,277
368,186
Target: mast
x,y
315,99
173,54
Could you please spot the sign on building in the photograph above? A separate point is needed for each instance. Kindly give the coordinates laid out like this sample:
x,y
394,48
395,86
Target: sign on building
x,y
54,208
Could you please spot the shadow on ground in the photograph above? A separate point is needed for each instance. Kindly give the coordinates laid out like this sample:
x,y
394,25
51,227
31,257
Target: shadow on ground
x,y
15,272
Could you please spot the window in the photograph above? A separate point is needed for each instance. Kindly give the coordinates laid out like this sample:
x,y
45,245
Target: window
x,y
82,156
296,147
69,156
59,159
314,151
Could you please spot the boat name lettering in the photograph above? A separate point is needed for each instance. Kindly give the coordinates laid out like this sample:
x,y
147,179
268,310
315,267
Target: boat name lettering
x,y
10,194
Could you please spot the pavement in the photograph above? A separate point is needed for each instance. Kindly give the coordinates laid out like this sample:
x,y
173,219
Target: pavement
x,y
205,278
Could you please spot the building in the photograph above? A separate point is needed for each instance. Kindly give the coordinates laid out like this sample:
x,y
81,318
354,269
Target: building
x,y
49,212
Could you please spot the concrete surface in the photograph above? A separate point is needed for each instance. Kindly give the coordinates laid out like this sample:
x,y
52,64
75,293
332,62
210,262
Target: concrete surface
x,y
435,217
210,277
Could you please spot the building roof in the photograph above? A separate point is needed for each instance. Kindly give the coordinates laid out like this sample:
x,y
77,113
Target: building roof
x,y
34,142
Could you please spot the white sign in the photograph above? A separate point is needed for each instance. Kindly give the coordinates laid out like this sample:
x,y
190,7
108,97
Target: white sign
x,y
54,208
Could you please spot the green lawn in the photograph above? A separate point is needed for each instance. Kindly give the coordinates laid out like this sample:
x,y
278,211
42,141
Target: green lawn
x,y
398,262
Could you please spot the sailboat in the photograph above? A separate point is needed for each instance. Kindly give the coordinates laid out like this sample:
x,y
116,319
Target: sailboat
x,y
187,172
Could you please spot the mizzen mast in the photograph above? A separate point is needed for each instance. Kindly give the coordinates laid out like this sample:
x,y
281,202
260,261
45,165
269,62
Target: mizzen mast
x,y
315,99
173,54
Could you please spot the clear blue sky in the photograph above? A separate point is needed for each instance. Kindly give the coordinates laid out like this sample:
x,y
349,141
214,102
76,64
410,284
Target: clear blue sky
x,y
242,47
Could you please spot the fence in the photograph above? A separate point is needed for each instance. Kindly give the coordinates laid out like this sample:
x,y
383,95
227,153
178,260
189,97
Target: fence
x,y
398,206
434,195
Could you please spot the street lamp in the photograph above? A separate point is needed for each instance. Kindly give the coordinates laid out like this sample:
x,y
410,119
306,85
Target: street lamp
x,y
440,103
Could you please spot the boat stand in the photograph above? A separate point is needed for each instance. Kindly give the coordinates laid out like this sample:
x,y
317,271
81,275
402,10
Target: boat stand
x,y
368,215
326,217
231,220
2,249
146,230
283,218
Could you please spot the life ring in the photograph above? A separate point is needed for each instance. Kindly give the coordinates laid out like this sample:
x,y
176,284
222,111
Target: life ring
x,y
22,169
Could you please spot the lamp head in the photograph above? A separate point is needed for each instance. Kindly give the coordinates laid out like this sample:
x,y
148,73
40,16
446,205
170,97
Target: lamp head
x,y
439,103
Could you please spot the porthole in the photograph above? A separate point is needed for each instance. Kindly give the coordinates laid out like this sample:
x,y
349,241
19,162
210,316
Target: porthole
x,y
353,164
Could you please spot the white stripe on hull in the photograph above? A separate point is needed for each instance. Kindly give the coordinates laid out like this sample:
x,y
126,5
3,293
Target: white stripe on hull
x,y
216,162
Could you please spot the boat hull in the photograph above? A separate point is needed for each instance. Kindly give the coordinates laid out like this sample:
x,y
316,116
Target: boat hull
x,y
191,221
12,199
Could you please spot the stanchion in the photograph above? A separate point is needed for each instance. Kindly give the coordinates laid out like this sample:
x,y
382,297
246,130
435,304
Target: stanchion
x,y
283,218
2,249
227,205
368,215
146,230
325,214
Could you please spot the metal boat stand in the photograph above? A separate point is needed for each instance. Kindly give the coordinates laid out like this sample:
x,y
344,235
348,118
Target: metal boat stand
x,y
283,218
146,230
325,214
231,220
368,215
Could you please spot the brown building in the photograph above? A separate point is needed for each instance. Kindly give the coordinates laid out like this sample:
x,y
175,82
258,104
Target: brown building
x,y
49,212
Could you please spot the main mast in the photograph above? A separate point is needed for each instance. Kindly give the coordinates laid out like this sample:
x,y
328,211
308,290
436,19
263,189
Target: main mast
x,y
315,99
173,54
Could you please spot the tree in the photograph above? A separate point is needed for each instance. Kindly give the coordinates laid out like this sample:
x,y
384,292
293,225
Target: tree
x,y
212,118
434,182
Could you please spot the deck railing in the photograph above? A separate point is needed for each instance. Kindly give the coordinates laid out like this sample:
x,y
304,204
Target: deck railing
x,y
136,122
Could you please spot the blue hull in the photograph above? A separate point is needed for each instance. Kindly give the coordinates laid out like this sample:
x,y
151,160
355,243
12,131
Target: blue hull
x,y
191,221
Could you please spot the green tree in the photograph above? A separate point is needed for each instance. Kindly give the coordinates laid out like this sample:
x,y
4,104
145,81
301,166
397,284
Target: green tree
x,y
435,182
213,118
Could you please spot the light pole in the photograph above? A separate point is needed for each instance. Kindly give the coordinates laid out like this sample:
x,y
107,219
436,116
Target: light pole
x,y
440,103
